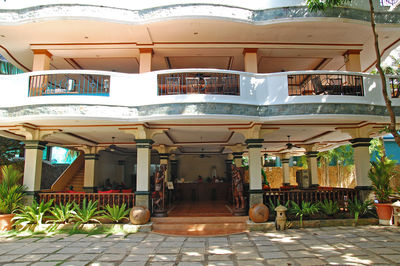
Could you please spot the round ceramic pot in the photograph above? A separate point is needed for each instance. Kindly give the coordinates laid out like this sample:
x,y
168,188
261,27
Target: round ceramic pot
x,y
385,213
259,213
6,222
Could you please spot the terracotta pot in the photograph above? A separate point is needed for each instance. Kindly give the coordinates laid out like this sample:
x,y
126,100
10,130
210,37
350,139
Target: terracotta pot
x,y
139,215
5,222
385,212
259,213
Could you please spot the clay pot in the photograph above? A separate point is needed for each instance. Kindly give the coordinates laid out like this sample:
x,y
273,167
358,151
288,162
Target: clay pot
x,y
385,212
5,222
259,213
139,215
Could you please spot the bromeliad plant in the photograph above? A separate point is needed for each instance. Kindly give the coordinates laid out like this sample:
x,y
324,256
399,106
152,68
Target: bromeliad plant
x,y
306,209
87,213
116,213
33,215
329,207
358,208
62,213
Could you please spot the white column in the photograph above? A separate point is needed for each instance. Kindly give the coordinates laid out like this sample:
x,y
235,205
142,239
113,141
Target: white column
x,y
250,60
145,59
33,167
142,194
362,162
89,179
254,147
313,167
286,171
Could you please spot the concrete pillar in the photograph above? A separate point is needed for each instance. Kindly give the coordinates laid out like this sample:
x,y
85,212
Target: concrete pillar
x,y
250,60
89,179
362,162
352,60
313,167
145,59
256,193
33,168
286,171
41,60
237,158
142,194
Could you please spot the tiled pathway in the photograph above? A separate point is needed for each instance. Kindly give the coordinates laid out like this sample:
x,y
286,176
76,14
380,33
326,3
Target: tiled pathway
x,y
334,245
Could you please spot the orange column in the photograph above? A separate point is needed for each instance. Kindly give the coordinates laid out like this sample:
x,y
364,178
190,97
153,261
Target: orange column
x,y
250,60
145,59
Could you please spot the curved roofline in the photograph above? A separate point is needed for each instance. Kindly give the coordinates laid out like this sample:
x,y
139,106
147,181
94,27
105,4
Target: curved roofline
x,y
185,11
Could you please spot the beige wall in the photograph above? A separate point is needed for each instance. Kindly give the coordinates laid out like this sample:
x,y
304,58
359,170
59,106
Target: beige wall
x,y
191,166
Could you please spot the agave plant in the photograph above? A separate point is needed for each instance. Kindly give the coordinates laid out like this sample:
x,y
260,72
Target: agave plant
x,y
62,213
329,207
358,208
306,209
11,192
116,213
87,213
34,214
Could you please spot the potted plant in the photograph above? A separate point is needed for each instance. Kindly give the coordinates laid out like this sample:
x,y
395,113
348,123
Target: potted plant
x,y
11,192
380,174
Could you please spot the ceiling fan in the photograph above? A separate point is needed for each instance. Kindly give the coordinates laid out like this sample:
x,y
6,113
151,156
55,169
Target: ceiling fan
x,y
202,155
115,148
290,145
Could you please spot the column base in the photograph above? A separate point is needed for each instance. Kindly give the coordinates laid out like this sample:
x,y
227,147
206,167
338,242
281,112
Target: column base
x,y
256,197
314,185
239,212
142,199
28,198
90,189
365,193
160,213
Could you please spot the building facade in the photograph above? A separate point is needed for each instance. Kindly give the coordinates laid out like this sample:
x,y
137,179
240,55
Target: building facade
x,y
193,85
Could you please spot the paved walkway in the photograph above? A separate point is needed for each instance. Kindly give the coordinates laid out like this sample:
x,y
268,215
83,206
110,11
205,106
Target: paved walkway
x,y
334,245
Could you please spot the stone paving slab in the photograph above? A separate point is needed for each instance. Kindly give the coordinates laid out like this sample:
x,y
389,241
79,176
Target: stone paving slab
x,y
317,246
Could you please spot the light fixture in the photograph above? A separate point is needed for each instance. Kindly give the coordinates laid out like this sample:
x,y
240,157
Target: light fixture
x,y
113,146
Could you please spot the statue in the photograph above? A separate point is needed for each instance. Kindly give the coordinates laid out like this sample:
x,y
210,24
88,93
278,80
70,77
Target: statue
x,y
237,182
160,188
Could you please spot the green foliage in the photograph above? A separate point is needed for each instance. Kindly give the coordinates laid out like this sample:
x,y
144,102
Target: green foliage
x,y
377,146
11,192
329,207
272,205
306,209
116,213
62,213
9,148
264,175
87,213
358,208
34,214
322,5
342,155
380,174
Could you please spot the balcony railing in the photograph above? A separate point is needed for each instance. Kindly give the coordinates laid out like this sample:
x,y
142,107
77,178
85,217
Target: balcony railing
x,y
198,83
325,84
394,87
69,84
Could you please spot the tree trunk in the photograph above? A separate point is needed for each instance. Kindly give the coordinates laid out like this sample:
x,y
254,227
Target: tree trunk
x,y
388,102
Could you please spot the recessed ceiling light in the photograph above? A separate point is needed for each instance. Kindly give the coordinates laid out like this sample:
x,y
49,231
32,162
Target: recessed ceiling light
x,y
86,37
195,33
3,36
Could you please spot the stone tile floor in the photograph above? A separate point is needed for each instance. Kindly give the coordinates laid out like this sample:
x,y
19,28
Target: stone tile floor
x,y
321,246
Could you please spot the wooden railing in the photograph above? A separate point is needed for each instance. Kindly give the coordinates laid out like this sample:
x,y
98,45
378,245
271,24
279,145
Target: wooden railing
x,y
394,84
341,195
69,84
325,84
102,198
198,83
68,174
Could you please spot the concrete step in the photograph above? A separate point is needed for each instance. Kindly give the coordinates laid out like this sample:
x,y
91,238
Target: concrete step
x,y
193,220
200,227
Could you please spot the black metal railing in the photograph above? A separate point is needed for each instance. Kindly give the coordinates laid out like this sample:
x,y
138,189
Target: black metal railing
x,y
325,84
198,83
69,84
394,87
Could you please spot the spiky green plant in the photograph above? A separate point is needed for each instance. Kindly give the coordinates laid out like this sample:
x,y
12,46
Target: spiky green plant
x,y
329,207
87,213
62,213
358,208
34,214
11,192
380,174
116,213
306,209
272,205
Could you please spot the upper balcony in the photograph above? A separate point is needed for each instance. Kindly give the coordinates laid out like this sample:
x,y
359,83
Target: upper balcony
x,y
192,92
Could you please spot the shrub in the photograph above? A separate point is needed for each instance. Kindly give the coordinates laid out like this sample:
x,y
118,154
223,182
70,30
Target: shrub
x,y
306,209
34,214
11,192
358,208
329,207
87,213
62,213
116,213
